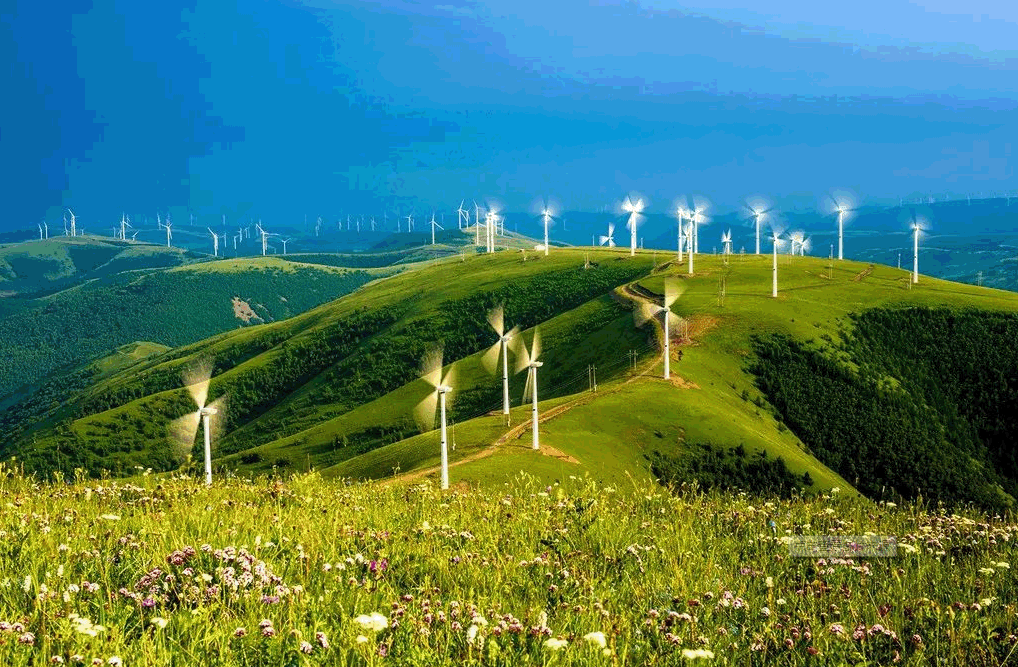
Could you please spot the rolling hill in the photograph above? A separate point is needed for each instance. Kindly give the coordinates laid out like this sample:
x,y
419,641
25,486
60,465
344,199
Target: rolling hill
x,y
171,307
808,390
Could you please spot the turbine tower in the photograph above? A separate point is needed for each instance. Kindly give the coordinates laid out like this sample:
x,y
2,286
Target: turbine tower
x,y
433,226
648,311
462,216
917,228
842,208
215,242
184,429
437,398
681,212
547,215
634,209
74,230
527,359
776,239
758,208
285,241
490,359
264,235
124,224
169,231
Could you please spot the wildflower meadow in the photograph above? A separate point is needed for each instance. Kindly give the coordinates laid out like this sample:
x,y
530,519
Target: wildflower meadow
x,y
307,571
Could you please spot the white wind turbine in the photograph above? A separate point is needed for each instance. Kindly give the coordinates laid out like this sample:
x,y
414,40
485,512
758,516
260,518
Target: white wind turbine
x,y
758,208
699,217
168,226
547,217
462,216
634,208
215,242
434,225
209,416
726,244
776,240
124,224
918,225
40,231
441,387
690,232
609,240
490,359
648,311
264,235
681,212
796,239
284,242
74,222
841,207
527,359
45,229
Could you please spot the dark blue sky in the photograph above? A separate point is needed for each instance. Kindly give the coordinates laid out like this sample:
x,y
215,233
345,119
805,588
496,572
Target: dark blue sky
x,y
277,109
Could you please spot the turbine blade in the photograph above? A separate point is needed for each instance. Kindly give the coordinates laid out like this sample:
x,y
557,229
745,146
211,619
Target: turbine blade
x,y
673,290
535,349
450,381
424,413
181,433
491,357
431,368
528,386
497,319
522,354
644,312
196,379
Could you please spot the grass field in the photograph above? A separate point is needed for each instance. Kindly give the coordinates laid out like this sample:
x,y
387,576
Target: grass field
x,y
305,571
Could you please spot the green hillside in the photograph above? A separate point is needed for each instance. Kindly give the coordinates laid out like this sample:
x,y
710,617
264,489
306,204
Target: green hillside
x,y
169,307
783,394
47,265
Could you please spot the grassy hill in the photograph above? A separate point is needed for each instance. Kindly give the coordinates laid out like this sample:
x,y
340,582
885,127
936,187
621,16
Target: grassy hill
x,y
766,392
45,266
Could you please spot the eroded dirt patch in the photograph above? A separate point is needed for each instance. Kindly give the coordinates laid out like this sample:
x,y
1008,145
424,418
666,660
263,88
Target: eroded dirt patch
x,y
242,311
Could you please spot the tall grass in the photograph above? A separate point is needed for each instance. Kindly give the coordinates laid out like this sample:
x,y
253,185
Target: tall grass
x,y
307,571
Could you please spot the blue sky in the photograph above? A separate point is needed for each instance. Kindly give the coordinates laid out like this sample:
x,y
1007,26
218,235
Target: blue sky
x,y
277,109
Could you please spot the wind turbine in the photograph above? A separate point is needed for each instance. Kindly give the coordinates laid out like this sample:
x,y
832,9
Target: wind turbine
x,y
462,216
690,231
699,217
490,359
776,240
185,428
796,239
842,207
609,240
45,229
169,231
124,224
527,359
726,244
74,231
265,237
40,231
634,209
437,398
433,226
547,216
647,311
758,208
215,242
918,225
681,212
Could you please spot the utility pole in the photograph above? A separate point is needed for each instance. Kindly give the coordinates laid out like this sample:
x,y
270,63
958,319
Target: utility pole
x,y
592,377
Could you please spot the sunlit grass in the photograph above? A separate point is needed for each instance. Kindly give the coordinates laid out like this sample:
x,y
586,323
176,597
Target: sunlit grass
x,y
274,572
